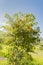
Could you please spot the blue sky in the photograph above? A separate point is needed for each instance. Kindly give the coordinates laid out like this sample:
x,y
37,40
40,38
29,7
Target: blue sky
x,y
26,6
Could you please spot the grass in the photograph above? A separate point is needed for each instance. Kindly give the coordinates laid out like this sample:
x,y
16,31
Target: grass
x,y
3,62
37,56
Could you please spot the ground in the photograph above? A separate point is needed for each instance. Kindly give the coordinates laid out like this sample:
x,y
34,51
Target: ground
x,y
37,56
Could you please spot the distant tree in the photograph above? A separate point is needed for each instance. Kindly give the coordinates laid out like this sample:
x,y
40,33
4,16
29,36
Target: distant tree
x,y
21,34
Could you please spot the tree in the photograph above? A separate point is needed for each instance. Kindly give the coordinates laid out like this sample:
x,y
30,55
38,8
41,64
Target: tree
x,y
21,34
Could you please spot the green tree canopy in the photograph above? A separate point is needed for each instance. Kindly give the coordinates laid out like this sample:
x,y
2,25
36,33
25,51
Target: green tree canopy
x,y
21,34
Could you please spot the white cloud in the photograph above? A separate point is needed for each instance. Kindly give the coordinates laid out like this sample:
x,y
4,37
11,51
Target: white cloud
x,y
2,19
